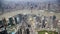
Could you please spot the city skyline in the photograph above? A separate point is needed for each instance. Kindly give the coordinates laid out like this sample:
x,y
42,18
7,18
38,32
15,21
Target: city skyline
x,y
30,0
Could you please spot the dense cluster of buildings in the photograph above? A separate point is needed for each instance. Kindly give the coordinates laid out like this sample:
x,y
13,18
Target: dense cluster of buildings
x,y
9,6
29,23
20,22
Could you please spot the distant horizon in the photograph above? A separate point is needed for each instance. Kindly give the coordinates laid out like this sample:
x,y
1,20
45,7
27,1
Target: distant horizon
x,y
30,0
16,1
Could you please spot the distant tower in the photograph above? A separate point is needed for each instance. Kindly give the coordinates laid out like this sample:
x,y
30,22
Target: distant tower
x,y
58,2
1,8
31,8
0,3
49,6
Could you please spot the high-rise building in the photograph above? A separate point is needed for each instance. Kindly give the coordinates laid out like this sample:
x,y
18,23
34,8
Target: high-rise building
x,y
27,31
18,18
11,21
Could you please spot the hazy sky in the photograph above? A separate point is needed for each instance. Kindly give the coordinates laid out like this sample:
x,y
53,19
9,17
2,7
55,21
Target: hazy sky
x,y
30,0
7,1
